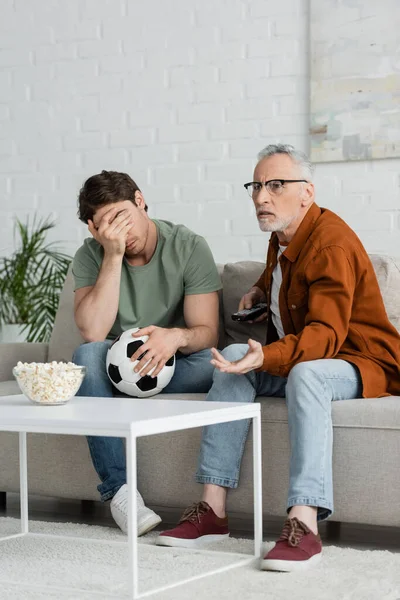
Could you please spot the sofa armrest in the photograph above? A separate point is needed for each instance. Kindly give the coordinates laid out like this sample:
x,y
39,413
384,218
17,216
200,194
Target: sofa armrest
x,y
11,353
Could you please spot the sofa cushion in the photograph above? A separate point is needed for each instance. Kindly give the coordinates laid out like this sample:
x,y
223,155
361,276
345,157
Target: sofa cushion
x,y
387,269
237,279
9,388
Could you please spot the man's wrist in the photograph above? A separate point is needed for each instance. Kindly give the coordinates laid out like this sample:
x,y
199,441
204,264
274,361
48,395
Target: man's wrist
x,y
112,258
182,337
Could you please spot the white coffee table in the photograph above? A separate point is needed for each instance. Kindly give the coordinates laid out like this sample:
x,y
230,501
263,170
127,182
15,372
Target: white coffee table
x,y
127,418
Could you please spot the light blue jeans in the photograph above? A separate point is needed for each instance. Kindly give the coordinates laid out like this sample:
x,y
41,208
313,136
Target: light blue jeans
x,y
193,374
309,391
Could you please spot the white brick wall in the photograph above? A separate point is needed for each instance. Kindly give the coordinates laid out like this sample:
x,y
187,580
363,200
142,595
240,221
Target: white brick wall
x,y
180,95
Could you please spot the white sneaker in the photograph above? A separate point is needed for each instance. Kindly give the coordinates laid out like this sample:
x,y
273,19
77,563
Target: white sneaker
x,y
147,519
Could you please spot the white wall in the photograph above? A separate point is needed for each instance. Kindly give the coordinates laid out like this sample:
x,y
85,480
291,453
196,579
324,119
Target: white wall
x,y
182,96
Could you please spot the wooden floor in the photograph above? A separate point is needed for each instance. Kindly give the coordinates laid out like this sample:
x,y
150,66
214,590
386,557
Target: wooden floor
x,y
97,513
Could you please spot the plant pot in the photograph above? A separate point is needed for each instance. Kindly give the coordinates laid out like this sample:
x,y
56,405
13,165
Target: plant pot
x,y
11,333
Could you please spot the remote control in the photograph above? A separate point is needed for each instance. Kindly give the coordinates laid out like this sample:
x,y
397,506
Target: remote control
x,y
248,314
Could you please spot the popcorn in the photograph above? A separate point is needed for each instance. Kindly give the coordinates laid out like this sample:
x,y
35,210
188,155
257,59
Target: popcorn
x,y
49,383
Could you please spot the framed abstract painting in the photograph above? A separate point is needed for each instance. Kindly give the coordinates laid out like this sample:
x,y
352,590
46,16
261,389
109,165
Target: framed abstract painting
x,y
355,80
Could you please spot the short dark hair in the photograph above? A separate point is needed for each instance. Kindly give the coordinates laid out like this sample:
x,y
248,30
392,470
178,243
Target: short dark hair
x,y
105,188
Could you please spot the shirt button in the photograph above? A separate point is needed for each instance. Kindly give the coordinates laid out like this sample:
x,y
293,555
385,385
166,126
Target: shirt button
x,y
293,306
270,264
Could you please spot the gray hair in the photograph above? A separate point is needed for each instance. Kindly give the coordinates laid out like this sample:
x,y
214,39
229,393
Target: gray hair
x,y
296,155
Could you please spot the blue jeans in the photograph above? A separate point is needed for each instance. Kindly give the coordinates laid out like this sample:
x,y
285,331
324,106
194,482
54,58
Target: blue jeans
x,y
193,374
309,391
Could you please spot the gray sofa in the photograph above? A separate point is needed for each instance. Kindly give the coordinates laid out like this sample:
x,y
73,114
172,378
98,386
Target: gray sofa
x,y
366,431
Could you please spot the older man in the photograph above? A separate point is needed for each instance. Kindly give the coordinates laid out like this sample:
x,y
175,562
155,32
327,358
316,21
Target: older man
x,y
328,338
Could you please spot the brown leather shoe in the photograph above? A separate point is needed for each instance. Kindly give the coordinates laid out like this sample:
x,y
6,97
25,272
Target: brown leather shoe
x,y
198,526
297,549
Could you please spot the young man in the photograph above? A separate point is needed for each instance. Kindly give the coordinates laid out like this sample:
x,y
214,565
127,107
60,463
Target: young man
x,y
139,272
328,338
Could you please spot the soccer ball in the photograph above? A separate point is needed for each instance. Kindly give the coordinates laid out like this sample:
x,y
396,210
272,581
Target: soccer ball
x,y
120,367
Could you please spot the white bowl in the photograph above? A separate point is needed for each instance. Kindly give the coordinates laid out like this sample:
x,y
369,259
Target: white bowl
x,y
49,383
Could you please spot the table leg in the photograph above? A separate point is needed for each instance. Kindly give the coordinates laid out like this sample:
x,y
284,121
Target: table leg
x,y
257,483
23,478
132,512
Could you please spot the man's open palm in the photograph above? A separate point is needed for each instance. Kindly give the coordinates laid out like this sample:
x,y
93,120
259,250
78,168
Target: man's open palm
x,y
250,361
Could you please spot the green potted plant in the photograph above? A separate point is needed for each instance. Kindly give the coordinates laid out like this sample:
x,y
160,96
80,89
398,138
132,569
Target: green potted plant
x,y
31,280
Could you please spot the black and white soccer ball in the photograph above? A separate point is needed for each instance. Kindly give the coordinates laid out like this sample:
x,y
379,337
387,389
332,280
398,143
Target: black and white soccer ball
x,y
120,368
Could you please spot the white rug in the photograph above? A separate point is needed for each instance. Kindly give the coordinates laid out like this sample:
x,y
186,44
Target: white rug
x,y
42,568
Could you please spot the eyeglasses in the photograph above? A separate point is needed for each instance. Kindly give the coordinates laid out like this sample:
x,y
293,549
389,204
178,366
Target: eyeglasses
x,y
273,186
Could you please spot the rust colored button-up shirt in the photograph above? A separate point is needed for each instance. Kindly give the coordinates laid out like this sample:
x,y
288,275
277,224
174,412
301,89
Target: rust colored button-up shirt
x,y
331,305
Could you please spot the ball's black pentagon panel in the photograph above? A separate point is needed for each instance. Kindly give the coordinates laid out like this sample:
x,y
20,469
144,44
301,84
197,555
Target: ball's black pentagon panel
x,y
147,383
114,374
132,347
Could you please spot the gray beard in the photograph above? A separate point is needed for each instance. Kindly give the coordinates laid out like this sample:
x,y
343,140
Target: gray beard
x,y
277,225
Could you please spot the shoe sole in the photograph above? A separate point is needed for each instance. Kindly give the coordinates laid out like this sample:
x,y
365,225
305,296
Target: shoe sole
x,y
204,540
290,566
148,524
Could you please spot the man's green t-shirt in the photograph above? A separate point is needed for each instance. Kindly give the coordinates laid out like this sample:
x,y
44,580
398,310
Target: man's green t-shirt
x,y
153,294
